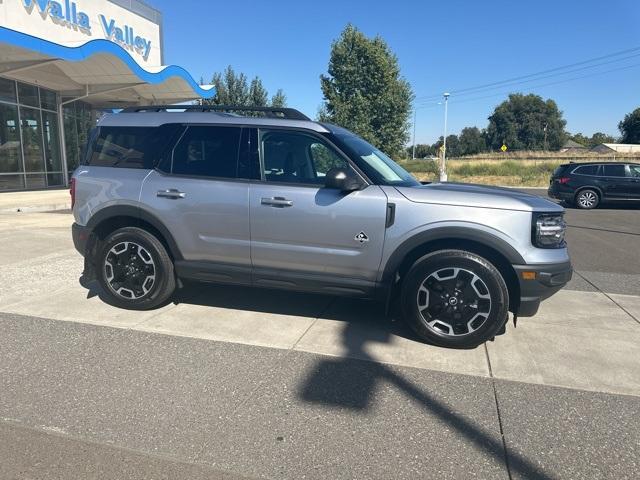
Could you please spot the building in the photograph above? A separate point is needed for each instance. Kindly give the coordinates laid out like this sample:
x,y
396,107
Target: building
x,y
62,64
573,147
617,148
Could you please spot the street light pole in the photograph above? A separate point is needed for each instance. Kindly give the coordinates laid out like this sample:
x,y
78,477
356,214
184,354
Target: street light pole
x,y
413,154
443,171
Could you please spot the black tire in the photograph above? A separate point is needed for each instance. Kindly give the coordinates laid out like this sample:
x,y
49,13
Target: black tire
x,y
130,249
587,199
475,325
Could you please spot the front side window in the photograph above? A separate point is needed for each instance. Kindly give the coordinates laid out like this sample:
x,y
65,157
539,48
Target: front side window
x,y
375,164
296,157
634,170
614,170
205,151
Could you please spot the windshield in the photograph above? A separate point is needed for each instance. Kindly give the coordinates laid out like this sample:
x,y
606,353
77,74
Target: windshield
x,y
378,166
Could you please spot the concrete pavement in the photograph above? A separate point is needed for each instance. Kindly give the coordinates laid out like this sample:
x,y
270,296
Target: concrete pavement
x,y
35,201
260,383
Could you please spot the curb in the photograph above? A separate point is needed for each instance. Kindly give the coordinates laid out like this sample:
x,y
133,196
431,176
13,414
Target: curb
x,y
37,208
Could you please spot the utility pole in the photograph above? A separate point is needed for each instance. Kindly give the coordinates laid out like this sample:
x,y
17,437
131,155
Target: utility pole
x,y
413,154
545,137
443,170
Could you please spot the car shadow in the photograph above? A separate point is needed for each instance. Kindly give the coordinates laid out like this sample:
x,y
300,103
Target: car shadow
x,y
270,301
349,382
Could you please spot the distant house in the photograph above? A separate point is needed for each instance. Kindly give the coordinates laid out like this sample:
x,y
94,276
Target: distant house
x,y
573,147
617,148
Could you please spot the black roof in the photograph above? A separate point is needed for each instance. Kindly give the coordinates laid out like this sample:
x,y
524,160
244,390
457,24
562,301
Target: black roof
x,y
599,163
270,112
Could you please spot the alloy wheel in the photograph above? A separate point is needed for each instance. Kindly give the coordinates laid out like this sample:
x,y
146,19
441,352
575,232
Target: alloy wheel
x,y
129,270
454,301
587,199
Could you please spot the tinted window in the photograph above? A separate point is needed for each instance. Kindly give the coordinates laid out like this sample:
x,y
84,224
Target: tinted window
x,y
208,152
7,90
296,157
587,170
635,170
614,170
28,95
130,147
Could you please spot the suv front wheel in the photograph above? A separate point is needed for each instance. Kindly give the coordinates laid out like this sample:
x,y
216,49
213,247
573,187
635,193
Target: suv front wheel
x,y
134,270
455,298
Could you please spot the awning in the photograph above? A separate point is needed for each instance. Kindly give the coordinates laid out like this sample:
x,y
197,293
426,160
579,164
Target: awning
x,y
99,72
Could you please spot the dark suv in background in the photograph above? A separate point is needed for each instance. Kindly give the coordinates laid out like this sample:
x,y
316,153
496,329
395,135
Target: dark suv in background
x,y
586,185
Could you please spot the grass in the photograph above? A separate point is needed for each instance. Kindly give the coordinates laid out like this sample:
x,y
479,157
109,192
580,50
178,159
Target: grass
x,y
512,171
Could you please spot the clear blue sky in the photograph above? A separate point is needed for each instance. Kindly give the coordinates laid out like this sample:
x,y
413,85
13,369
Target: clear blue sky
x,y
441,46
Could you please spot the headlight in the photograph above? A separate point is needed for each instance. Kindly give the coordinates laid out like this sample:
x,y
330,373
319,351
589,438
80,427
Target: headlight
x,y
548,230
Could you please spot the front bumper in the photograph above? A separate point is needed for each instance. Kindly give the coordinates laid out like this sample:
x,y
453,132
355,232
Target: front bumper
x,y
547,280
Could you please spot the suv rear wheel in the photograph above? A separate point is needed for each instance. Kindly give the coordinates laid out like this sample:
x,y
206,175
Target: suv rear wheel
x,y
455,298
134,270
587,199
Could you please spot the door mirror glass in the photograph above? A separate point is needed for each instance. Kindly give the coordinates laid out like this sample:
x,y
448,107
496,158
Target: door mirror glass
x,y
343,179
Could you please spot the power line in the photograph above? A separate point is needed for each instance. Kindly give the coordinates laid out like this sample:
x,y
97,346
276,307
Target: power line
x,y
537,74
547,76
626,67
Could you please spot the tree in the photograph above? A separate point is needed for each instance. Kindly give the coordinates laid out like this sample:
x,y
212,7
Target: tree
x,y
472,141
581,139
453,146
596,139
279,99
630,127
258,96
365,92
233,89
520,123
422,150
599,137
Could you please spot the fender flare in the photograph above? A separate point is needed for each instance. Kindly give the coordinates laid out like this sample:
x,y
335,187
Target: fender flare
x,y
449,233
140,215
589,187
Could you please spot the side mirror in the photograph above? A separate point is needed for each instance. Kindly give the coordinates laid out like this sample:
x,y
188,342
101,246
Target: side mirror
x,y
343,179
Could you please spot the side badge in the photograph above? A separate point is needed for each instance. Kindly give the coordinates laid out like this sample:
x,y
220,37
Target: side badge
x,y
361,237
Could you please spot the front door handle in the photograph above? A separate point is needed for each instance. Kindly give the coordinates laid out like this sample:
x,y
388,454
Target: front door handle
x,y
171,193
278,202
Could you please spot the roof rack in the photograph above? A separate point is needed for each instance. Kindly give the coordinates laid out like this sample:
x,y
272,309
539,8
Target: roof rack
x,y
272,112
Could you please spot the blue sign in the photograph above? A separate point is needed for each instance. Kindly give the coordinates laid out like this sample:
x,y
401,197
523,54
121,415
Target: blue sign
x,y
67,13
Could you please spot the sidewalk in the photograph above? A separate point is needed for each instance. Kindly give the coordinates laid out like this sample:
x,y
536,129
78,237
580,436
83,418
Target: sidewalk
x,y
35,201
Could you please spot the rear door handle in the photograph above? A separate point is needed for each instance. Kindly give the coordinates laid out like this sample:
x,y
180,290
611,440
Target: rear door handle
x,y
171,193
278,202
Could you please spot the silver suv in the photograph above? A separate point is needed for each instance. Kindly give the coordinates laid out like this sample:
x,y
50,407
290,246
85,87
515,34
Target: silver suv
x,y
268,198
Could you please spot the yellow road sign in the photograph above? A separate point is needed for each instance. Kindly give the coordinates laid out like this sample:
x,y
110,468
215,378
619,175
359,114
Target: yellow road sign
x,y
503,148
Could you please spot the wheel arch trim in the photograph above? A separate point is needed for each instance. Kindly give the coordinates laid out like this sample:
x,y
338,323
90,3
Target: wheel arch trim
x,y
457,233
140,216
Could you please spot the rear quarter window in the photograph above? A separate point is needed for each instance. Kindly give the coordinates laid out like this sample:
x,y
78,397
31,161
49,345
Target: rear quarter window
x,y
587,170
130,147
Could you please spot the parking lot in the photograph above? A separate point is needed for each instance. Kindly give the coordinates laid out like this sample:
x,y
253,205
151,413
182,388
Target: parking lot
x,y
240,383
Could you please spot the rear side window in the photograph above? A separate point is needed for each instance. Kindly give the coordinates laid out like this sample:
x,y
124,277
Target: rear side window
x,y
614,170
130,147
587,170
207,152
